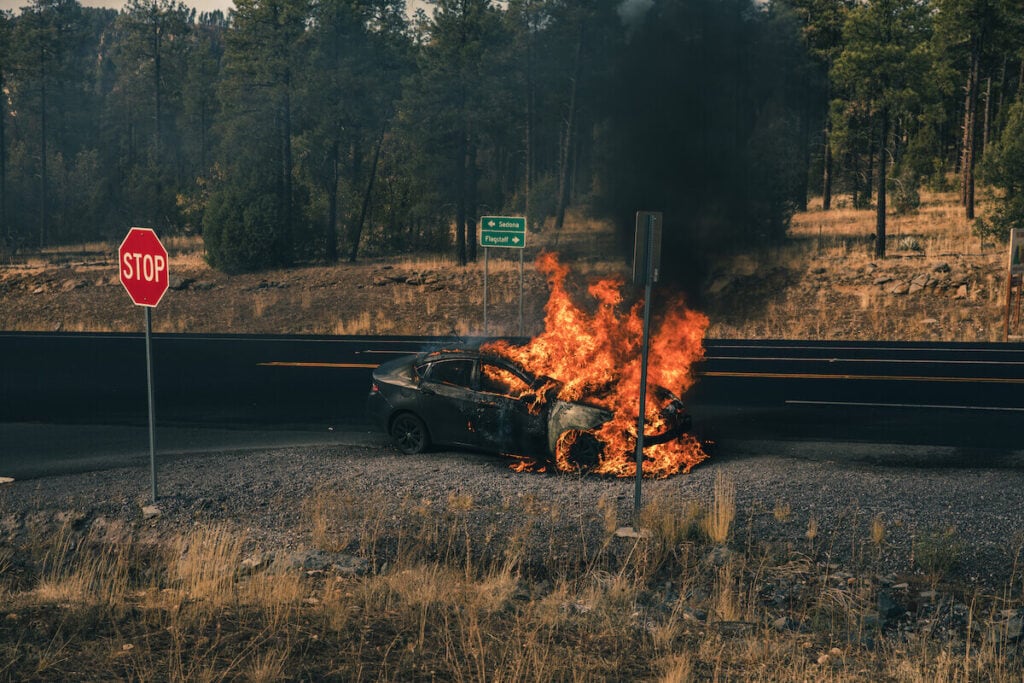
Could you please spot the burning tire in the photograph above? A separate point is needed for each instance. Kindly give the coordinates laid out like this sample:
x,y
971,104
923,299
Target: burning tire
x,y
409,434
578,450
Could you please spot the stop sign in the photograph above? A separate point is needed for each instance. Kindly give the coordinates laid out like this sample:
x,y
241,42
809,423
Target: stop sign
x,y
142,262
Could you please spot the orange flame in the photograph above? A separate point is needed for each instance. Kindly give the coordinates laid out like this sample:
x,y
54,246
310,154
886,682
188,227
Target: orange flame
x,y
598,357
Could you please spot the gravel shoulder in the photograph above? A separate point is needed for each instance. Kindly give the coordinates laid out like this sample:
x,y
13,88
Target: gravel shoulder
x,y
827,507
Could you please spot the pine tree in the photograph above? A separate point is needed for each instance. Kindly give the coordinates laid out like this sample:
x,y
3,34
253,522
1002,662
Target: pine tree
x,y
881,70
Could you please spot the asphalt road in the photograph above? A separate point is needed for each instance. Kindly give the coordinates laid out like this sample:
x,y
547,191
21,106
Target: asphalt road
x,y
78,401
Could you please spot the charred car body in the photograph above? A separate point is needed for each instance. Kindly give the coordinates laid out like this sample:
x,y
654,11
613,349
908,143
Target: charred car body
x,y
480,401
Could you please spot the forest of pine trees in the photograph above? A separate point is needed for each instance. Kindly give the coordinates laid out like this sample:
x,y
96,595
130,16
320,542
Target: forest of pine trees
x,y
320,130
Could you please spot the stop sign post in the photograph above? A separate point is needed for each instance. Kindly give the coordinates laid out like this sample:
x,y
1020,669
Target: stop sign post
x,y
143,270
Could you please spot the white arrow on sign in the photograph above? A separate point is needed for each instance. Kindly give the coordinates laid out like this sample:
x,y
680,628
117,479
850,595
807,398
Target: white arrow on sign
x,y
515,240
491,224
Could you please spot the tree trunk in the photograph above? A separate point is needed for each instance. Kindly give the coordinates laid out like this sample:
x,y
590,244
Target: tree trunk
x,y
564,156
42,153
286,171
357,229
880,204
855,191
1020,82
331,227
158,94
826,181
3,162
869,179
471,199
460,200
987,120
967,150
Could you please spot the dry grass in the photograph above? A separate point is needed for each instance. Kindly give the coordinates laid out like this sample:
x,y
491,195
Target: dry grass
x,y
823,282
453,590
718,522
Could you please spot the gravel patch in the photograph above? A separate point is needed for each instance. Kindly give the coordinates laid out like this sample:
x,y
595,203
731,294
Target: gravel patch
x,y
824,507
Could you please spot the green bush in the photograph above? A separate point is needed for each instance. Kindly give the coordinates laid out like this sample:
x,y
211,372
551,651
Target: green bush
x,y
242,231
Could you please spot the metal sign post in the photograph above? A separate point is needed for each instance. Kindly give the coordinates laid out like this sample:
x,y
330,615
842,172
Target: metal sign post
x,y
1014,286
486,252
143,270
645,269
507,232
520,292
152,404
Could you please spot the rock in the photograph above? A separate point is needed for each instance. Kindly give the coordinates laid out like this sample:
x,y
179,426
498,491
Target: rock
x,y
914,288
888,608
254,562
941,268
780,624
920,280
898,288
1014,626
961,293
179,284
694,615
926,321
151,511
815,271
1007,631
8,480
202,286
70,285
880,280
320,560
40,289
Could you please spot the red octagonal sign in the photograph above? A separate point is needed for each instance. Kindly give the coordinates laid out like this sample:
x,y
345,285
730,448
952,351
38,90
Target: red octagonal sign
x,y
142,263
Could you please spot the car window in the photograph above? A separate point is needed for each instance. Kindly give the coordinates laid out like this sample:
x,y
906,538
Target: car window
x,y
500,380
456,372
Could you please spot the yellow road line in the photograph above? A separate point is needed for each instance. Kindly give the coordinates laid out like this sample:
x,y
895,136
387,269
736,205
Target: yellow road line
x,y
900,378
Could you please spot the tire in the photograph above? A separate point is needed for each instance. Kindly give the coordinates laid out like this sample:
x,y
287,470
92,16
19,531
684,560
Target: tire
x,y
586,451
409,434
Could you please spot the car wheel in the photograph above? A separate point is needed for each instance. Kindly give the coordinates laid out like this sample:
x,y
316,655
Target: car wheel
x,y
409,434
585,451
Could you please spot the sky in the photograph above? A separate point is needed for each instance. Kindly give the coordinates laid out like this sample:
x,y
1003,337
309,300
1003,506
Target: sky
x,y
200,5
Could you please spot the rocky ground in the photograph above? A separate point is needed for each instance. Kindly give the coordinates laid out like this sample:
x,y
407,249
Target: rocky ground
x,y
905,548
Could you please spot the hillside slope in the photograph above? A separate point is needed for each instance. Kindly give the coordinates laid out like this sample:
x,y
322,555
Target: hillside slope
x,y
937,283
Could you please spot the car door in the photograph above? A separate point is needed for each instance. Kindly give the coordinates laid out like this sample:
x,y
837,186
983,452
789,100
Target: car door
x,y
508,421
447,402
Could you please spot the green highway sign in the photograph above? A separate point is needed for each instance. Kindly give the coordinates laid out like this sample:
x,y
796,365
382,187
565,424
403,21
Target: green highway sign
x,y
503,231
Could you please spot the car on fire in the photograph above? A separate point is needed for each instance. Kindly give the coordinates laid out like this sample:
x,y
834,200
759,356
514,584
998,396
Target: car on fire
x,y
481,401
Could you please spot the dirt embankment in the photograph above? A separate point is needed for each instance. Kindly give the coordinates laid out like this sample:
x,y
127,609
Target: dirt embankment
x,y
937,283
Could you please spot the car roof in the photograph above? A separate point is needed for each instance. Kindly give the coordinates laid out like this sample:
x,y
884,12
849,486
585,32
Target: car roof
x,y
467,354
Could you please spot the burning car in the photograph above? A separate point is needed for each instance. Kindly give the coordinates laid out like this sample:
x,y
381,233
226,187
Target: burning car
x,y
484,401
